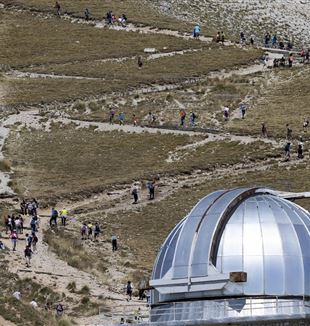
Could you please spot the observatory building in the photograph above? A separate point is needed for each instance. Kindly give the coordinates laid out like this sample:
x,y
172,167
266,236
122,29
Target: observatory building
x,y
240,257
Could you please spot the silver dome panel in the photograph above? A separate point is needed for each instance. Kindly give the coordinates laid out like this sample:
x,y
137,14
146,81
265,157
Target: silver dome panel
x,y
250,230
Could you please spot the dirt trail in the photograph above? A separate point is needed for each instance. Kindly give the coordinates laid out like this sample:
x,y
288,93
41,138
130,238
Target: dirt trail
x,y
4,322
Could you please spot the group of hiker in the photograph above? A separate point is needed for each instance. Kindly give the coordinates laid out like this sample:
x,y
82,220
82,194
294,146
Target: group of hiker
x,y
136,190
111,18
121,118
300,143
15,226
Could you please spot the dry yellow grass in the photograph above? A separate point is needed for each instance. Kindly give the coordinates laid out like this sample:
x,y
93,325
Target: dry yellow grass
x,y
33,40
67,162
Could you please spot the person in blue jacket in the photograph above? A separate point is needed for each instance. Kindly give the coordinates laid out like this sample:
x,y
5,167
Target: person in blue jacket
x,y
197,31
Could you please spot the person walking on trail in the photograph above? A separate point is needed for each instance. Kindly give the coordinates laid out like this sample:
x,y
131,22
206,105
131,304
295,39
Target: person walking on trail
x,y
226,113
264,130
63,216
192,119
151,188
87,14
197,31
222,37
182,118
300,152
305,124
135,193
290,60
59,310
129,289
34,241
89,230
54,216
33,224
287,151
121,118
140,62
111,116
13,237
57,8
243,109
289,132
114,242
83,231
97,231
28,253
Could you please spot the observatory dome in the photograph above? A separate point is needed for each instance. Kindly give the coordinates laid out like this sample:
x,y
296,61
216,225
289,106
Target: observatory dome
x,y
249,232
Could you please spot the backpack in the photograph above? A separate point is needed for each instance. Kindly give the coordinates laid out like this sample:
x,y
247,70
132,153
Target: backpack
x,y
35,239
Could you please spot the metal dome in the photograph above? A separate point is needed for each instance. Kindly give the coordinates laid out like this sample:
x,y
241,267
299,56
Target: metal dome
x,y
241,230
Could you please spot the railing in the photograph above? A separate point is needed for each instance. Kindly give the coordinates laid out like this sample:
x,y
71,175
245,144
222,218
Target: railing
x,y
204,310
249,307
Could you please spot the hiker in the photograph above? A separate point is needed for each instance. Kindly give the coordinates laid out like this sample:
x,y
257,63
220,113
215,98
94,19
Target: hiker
x,y
274,41
252,40
122,20
140,62
83,231
97,231
222,37
33,224
87,14
264,130
2,247
59,309
192,118
281,45
267,39
300,152
63,216
242,109
33,304
287,151
151,188
17,295
196,32
226,113
290,60
34,242
23,207
54,216
305,124
18,224
134,120
89,230
289,132
135,192
109,17
28,252
218,37
121,118
57,8
111,116
114,242
282,62
129,289
13,237
242,38
182,117
28,239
